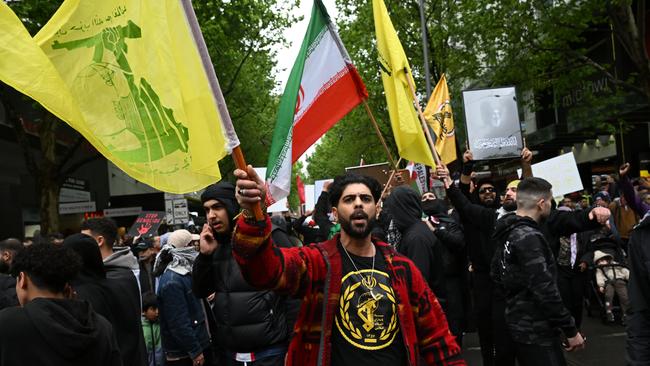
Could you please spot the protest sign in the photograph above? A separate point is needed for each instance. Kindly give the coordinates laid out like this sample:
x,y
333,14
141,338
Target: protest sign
x,y
382,173
310,200
492,120
147,223
561,172
318,187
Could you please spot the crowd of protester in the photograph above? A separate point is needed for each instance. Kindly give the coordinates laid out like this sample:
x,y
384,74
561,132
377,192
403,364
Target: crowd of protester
x,y
496,256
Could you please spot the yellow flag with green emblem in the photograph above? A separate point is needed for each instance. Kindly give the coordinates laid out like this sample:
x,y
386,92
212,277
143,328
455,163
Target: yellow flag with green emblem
x,y
126,74
439,116
395,69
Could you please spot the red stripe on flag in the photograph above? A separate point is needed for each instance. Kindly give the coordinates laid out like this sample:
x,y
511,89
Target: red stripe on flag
x,y
332,105
301,189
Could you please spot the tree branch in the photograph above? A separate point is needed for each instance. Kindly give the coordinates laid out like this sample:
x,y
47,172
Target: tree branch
x,y
70,153
21,137
231,84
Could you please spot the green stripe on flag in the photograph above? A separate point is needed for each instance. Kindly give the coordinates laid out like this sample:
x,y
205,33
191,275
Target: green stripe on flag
x,y
281,144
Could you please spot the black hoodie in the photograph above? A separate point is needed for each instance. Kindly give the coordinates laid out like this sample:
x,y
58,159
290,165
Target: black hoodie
x,y
114,299
418,242
56,332
525,269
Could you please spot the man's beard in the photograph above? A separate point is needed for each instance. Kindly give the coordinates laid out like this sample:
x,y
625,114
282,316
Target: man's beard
x,y
488,201
510,205
354,231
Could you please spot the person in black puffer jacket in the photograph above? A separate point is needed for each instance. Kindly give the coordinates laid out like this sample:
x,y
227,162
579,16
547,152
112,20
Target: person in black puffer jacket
x,y
251,325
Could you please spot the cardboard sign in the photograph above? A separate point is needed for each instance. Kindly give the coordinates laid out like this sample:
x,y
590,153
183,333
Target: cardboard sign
x,y
492,120
561,172
382,173
147,223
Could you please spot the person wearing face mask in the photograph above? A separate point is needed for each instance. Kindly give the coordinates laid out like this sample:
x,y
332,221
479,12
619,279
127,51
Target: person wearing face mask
x,y
412,238
497,347
450,235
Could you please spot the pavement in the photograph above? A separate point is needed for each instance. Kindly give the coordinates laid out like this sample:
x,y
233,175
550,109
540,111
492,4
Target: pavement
x,y
605,346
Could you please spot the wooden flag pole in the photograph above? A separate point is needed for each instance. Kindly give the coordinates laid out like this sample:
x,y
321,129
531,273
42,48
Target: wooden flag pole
x,y
422,120
226,122
388,184
381,137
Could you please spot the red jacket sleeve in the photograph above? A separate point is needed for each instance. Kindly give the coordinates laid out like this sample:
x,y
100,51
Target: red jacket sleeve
x,y
266,266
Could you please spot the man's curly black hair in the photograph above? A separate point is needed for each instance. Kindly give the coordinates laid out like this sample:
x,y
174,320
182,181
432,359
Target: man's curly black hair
x,y
338,186
49,266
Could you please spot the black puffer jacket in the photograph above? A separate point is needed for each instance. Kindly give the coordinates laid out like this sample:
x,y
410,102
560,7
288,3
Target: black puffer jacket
x,y
418,242
525,268
638,325
247,320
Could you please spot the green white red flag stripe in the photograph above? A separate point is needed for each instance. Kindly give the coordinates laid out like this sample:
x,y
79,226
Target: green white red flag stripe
x,y
322,88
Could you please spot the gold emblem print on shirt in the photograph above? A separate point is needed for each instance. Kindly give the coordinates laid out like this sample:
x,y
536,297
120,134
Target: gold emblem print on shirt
x,y
367,316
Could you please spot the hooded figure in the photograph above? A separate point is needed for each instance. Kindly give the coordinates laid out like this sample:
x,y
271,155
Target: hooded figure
x,y
249,323
413,238
450,235
107,298
50,329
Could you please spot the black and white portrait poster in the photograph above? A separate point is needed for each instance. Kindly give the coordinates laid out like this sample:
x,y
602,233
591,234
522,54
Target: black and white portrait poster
x,y
492,119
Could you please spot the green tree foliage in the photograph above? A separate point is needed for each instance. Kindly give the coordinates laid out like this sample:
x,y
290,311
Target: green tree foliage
x,y
550,49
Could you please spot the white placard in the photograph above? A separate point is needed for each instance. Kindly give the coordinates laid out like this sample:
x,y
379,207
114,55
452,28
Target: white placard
x,y
122,211
279,206
77,207
561,172
310,200
318,187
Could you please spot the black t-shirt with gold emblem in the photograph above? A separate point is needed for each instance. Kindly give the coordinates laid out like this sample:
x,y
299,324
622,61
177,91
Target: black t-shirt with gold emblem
x,y
366,326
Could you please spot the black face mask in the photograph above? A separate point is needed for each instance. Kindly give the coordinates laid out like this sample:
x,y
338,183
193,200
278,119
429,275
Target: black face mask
x,y
434,207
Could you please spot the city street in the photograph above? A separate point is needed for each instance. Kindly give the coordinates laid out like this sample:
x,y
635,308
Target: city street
x,y
605,346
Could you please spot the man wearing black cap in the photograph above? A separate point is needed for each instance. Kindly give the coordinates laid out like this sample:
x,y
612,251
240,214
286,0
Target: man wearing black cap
x,y
251,326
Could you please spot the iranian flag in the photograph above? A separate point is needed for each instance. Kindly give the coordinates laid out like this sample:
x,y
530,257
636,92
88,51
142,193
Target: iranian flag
x,y
323,87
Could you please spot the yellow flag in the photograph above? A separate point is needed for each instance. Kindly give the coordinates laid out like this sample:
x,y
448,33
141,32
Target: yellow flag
x,y
395,70
439,116
128,76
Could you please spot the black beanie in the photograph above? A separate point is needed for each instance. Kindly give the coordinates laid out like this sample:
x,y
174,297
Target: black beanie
x,y
223,192
86,247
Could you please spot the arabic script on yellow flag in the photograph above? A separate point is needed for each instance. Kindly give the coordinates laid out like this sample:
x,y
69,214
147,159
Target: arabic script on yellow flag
x,y
128,76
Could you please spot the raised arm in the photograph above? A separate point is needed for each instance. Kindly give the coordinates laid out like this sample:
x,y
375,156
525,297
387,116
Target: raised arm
x,y
478,215
526,166
633,200
262,264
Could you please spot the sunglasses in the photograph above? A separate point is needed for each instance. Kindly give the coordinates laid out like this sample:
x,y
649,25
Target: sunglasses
x,y
486,190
